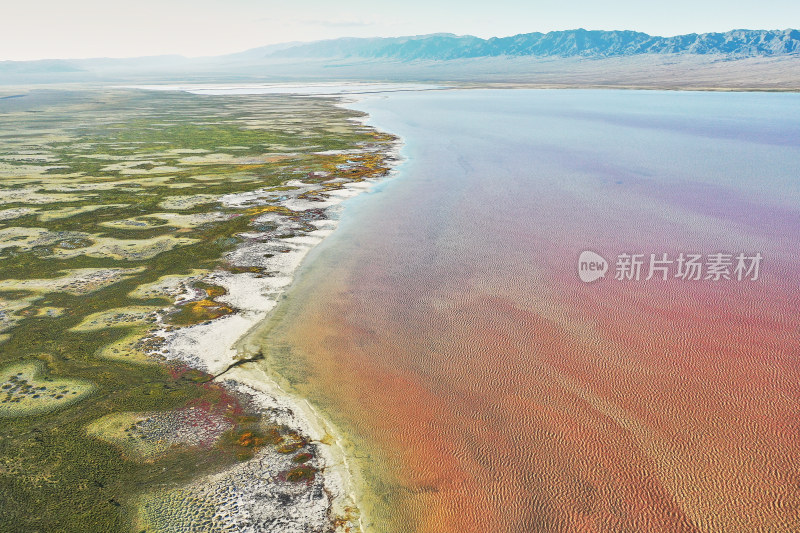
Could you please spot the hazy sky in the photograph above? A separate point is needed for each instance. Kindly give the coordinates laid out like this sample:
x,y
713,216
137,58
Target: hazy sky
x,y
34,29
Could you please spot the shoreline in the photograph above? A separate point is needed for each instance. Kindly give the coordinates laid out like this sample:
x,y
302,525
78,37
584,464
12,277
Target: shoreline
x,y
344,88
226,347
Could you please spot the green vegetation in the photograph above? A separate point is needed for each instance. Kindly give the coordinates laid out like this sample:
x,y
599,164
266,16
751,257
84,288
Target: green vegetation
x,y
24,392
108,200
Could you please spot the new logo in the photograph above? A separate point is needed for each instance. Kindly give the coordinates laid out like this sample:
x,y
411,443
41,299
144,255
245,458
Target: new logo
x,y
591,266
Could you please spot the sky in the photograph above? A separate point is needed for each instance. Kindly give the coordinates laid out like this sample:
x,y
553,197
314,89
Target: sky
x,y
38,29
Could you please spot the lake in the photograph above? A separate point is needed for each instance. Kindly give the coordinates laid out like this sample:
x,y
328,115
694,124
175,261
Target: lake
x,y
483,386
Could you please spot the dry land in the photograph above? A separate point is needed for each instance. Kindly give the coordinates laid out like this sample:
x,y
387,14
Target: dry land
x,y
133,225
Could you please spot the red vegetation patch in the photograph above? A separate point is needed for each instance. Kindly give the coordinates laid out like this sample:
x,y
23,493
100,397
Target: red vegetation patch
x,y
304,473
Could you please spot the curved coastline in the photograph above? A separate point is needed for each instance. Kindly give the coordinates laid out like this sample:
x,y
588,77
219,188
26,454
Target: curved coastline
x,y
219,347
340,470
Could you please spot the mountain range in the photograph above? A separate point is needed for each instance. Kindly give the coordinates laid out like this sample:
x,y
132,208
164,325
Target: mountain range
x,y
582,43
754,59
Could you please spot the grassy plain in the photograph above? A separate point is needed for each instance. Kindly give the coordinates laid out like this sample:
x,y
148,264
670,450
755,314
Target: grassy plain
x,y
106,198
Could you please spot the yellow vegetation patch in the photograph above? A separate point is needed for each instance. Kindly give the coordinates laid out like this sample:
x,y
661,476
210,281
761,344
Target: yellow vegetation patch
x,y
200,311
228,159
120,429
99,184
139,167
11,170
176,220
187,202
167,286
134,249
77,282
49,312
133,315
66,212
269,209
32,196
132,348
178,510
179,151
10,311
24,392
226,178
26,238
137,223
72,244
8,214
338,129
147,435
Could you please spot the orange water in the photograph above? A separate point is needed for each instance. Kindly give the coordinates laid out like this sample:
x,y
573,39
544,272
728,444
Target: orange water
x,y
485,388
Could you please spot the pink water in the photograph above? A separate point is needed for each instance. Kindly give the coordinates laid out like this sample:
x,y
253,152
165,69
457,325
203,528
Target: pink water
x,y
484,387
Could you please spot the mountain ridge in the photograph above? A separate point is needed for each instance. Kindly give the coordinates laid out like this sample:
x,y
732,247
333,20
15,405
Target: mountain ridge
x,y
738,60
568,43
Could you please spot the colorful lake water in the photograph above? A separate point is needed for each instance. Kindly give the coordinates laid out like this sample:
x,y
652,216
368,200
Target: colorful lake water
x,y
484,387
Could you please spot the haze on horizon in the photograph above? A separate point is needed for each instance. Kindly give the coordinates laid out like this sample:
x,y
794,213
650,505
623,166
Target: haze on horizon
x,y
99,28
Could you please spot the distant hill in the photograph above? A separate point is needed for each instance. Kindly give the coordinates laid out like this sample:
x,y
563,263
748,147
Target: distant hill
x,y
738,59
581,43
52,66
